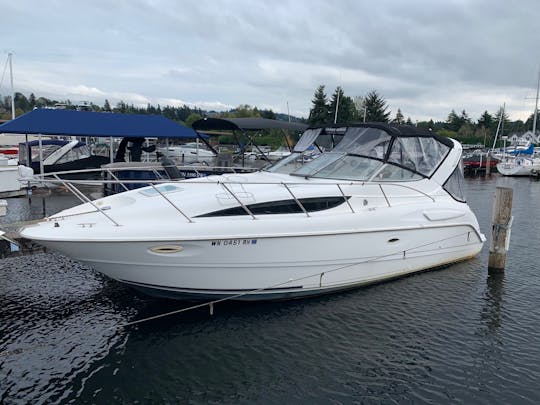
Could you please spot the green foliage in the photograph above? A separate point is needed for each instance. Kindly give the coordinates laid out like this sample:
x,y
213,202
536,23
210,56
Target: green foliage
x,y
320,112
191,119
400,119
376,108
346,109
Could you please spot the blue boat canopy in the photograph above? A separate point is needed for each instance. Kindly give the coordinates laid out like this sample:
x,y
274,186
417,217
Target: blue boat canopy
x,y
98,124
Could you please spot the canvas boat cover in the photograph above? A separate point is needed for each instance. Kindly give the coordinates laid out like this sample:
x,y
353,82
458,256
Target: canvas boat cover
x,y
96,124
245,124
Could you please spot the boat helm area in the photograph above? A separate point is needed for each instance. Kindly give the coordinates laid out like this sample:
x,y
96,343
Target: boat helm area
x,y
371,153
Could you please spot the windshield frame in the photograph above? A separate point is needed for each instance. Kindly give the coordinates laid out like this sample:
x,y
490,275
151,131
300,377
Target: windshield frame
x,y
389,149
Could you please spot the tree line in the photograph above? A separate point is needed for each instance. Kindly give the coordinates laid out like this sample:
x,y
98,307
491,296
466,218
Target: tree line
x,y
183,114
373,108
338,108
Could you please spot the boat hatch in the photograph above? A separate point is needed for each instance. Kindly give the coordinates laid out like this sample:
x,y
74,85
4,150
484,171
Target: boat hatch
x,y
163,189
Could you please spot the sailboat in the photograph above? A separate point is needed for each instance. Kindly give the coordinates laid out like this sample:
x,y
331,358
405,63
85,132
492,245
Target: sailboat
x,y
522,163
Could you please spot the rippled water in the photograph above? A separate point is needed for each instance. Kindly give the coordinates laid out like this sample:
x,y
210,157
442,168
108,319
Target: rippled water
x,y
457,335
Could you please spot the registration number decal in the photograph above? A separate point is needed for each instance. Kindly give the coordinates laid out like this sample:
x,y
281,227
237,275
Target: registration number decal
x,y
234,242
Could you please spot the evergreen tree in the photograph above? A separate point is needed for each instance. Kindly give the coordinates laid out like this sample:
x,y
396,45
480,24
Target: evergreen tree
x,y
376,108
400,119
453,121
319,113
485,120
346,110
268,114
32,100
22,102
465,119
505,121
107,106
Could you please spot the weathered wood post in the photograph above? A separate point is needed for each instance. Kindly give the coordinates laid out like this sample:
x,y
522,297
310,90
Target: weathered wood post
x,y
500,228
488,164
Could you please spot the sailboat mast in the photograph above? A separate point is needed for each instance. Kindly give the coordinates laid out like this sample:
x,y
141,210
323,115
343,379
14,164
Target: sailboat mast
x,y
536,105
337,104
10,56
499,126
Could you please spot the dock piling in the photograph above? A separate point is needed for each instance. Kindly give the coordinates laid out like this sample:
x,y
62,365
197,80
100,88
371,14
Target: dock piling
x,y
500,228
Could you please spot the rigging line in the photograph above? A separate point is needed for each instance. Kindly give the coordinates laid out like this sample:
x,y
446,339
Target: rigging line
x,y
4,73
211,303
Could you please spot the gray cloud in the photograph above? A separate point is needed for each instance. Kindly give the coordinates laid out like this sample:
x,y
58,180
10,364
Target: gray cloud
x,y
424,57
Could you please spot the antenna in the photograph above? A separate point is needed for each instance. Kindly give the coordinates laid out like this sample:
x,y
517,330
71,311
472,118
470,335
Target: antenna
x,y
536,105
10,57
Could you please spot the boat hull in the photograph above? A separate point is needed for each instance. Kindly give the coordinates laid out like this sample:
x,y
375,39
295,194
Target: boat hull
x,y
271,268
519,167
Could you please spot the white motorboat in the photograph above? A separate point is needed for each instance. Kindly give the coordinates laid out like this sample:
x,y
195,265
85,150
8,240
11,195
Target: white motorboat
x,y
279,153
11,175
387,201
191,152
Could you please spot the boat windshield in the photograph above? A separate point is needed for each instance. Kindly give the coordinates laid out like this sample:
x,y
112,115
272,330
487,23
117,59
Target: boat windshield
x,y
368,153
312,144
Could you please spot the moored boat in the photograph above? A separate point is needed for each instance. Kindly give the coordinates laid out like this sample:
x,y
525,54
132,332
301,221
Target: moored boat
x,y
387,201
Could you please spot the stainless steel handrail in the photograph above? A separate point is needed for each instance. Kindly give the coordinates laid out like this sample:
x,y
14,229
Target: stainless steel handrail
x,y
238,200
295,199
226,185
84,198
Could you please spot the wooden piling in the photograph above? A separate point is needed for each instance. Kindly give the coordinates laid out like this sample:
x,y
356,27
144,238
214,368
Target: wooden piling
x,y
488,164
500,229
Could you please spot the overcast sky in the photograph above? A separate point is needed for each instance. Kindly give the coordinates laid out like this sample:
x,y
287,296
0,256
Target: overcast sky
x,y
425,57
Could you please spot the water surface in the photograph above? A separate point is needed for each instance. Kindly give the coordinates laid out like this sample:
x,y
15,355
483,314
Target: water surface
x,y
457,335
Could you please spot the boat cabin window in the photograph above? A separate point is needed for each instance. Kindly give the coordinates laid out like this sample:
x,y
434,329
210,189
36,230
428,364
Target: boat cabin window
x,y
312,144
282,207
454,184
46,151
290,163
79,152
422,155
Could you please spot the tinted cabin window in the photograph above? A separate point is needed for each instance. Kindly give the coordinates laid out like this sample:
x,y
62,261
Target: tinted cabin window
x,y
281,207
454,184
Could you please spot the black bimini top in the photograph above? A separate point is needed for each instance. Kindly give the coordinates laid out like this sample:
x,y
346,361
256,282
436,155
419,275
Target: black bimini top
x,y
243,124
399,131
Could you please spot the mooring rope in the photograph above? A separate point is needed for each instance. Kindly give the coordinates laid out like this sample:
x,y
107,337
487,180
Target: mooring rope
x,y
211,304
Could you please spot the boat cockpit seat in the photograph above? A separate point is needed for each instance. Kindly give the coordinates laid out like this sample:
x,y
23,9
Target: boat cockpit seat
x,y
170,168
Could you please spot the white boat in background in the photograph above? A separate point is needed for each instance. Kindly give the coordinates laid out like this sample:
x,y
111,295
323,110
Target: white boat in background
x,y
11,177
387,201
519,166
522,159
279,153
191,152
